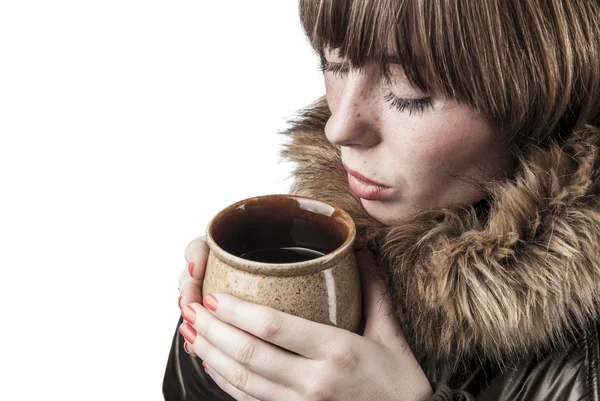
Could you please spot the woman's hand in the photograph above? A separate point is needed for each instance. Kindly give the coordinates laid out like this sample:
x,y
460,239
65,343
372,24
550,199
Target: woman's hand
x,y
254,352
190,280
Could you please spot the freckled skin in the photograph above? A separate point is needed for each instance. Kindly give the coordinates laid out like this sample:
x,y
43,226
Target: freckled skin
x,y
425,157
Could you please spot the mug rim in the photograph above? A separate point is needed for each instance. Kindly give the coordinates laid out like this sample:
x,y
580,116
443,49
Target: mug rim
x,y
281,269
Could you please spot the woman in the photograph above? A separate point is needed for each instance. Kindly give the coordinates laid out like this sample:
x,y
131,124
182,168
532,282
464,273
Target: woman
x,y
477,124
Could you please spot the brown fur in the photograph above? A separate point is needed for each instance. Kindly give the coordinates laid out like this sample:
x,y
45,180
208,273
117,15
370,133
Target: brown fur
x,y
518,281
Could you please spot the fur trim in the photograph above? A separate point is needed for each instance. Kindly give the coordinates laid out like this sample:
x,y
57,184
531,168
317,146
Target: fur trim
x,y
519,280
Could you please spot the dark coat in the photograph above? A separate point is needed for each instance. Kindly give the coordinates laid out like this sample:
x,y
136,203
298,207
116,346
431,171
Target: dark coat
x,y
499,300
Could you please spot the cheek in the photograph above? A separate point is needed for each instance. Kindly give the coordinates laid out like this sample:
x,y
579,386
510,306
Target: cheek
x,y
453,147
421,149
469,156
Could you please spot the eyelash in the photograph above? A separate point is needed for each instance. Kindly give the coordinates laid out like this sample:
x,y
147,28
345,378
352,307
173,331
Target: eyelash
x,y
337,69
413,106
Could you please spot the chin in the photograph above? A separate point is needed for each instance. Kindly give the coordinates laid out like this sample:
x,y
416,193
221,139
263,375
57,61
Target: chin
x,y
385,213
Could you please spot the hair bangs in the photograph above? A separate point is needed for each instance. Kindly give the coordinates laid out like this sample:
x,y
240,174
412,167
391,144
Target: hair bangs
x,y
528,66
364,32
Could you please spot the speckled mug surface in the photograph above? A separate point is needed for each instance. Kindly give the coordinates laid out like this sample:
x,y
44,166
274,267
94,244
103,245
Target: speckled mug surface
x,y
325,289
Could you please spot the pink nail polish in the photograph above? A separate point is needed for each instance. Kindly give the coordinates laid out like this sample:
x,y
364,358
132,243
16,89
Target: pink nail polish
x,y
210,302
186,347
189,314
191,268
188,332
204,366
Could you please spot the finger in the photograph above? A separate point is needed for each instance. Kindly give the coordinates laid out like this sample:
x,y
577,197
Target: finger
x,y
236,393
187,347
190,280
196,255
238,376
374,297
302,336
190,290
381,324
246,350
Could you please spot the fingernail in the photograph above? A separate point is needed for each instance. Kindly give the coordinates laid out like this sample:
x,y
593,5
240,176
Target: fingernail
x,y
179,301
188,332
204,366
189,314
211,302
186,347
190,268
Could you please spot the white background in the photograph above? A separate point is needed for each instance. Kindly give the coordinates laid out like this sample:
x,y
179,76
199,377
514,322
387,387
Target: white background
x,y
124,127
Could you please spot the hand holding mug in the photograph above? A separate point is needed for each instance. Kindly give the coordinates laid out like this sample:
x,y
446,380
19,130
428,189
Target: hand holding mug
x,y
246,349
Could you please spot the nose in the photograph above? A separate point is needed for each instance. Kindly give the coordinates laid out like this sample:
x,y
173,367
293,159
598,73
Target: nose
x,y
354,111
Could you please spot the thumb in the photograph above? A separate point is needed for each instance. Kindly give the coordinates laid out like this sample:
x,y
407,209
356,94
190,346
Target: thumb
x,y
381,324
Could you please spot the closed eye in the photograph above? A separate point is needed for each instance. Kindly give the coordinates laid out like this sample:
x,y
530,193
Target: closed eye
x,y
339,70
413,106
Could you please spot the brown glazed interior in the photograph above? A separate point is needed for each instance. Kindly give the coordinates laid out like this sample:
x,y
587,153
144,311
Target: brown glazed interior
x,y
281,221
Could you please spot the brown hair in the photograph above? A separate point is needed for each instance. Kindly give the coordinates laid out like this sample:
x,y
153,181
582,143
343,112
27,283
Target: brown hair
x,y
531,66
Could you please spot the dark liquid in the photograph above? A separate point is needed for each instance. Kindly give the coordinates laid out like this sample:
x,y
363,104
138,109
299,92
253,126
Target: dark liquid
x,y
280,230
282,255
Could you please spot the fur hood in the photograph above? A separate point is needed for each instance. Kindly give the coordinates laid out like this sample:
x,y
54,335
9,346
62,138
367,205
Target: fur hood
x,y
519,279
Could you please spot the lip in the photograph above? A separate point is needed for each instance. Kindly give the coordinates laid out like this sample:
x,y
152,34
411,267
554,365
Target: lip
x,y
364,179
365,188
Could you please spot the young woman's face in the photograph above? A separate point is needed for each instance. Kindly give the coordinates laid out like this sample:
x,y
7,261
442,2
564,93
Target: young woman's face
x,y
429,152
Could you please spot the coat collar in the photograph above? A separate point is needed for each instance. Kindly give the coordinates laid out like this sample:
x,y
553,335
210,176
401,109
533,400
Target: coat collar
x,y
520,279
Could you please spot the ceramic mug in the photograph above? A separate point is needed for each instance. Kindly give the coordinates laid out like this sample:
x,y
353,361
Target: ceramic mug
x,y
292,253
